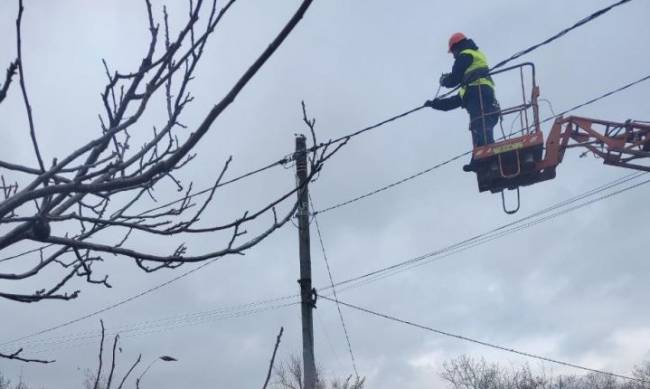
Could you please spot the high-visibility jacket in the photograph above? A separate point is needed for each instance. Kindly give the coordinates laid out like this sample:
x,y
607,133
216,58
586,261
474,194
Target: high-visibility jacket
x,y
477,73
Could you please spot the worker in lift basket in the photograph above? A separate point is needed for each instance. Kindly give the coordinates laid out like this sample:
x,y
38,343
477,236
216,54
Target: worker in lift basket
x,y
476,93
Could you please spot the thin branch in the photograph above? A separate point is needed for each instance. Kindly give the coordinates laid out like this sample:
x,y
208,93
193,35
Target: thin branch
x,y
23,88
16,356
11,71
128,373
275,350
101,352
110,374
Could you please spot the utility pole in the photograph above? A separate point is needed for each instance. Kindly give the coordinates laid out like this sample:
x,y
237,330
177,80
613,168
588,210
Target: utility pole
x,y
306,292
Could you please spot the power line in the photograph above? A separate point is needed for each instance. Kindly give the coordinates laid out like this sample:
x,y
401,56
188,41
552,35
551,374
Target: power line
x,y
26,252
518,54
452,159
560,34
497,232
165,321
365,129
111,306
329,273
201,318
464,245
484,343
396,183
375,275
633,83
328,339
190,196
581,22
280,162
150,290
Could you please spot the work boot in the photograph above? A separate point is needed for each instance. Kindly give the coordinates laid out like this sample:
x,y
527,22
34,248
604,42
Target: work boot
x,y
469,167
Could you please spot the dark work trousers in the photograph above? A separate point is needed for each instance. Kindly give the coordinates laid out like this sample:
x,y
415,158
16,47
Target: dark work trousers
x,y
483,110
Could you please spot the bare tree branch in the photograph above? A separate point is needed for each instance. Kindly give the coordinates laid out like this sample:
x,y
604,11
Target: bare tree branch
x,y
108,183
128,373
16,356
4,87
23,88
101,353
275,350
110,374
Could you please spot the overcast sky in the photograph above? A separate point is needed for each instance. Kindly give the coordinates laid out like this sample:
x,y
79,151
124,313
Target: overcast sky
x,y
574,288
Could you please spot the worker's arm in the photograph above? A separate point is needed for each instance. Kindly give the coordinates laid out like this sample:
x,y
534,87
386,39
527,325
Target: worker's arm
x,y
453,79
446,104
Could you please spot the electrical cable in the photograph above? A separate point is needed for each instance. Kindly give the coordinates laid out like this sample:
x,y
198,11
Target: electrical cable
x,y
328,339
280,162
622,88
485,343
329,273
351,135
111,306
396,183
581,22
165,321
452,159
135,332
26,253
438,254
497,232
519,54
560,34
207,190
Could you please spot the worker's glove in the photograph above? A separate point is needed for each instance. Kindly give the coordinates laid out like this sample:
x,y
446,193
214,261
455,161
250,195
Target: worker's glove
x,y
443,78
435,104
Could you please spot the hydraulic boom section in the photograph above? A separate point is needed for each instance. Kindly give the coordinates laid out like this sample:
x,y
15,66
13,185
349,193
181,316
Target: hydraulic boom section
x,y
619,144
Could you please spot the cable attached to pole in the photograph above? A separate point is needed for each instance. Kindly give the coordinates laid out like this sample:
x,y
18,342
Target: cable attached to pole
x,y
484,343
329,273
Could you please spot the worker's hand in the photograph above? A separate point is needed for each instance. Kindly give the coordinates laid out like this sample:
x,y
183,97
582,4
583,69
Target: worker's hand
x,y
435,104
443,78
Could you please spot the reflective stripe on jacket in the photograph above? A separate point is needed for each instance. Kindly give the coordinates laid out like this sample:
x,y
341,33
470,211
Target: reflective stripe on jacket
x,y
477,73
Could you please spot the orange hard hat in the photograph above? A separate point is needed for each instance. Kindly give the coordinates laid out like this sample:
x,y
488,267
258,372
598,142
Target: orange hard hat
x,y
455,38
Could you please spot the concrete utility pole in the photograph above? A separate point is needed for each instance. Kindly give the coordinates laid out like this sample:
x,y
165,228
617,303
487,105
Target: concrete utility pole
x,y
306,292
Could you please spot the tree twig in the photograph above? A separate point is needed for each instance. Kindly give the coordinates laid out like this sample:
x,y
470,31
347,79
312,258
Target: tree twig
x,y
275,350
128,373
23,88
110,374
101,352
16,356
11,71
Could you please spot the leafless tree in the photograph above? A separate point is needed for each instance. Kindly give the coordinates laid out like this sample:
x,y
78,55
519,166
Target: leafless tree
x,y
288,375
642,373
105,377
4,383
106,185
468,373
